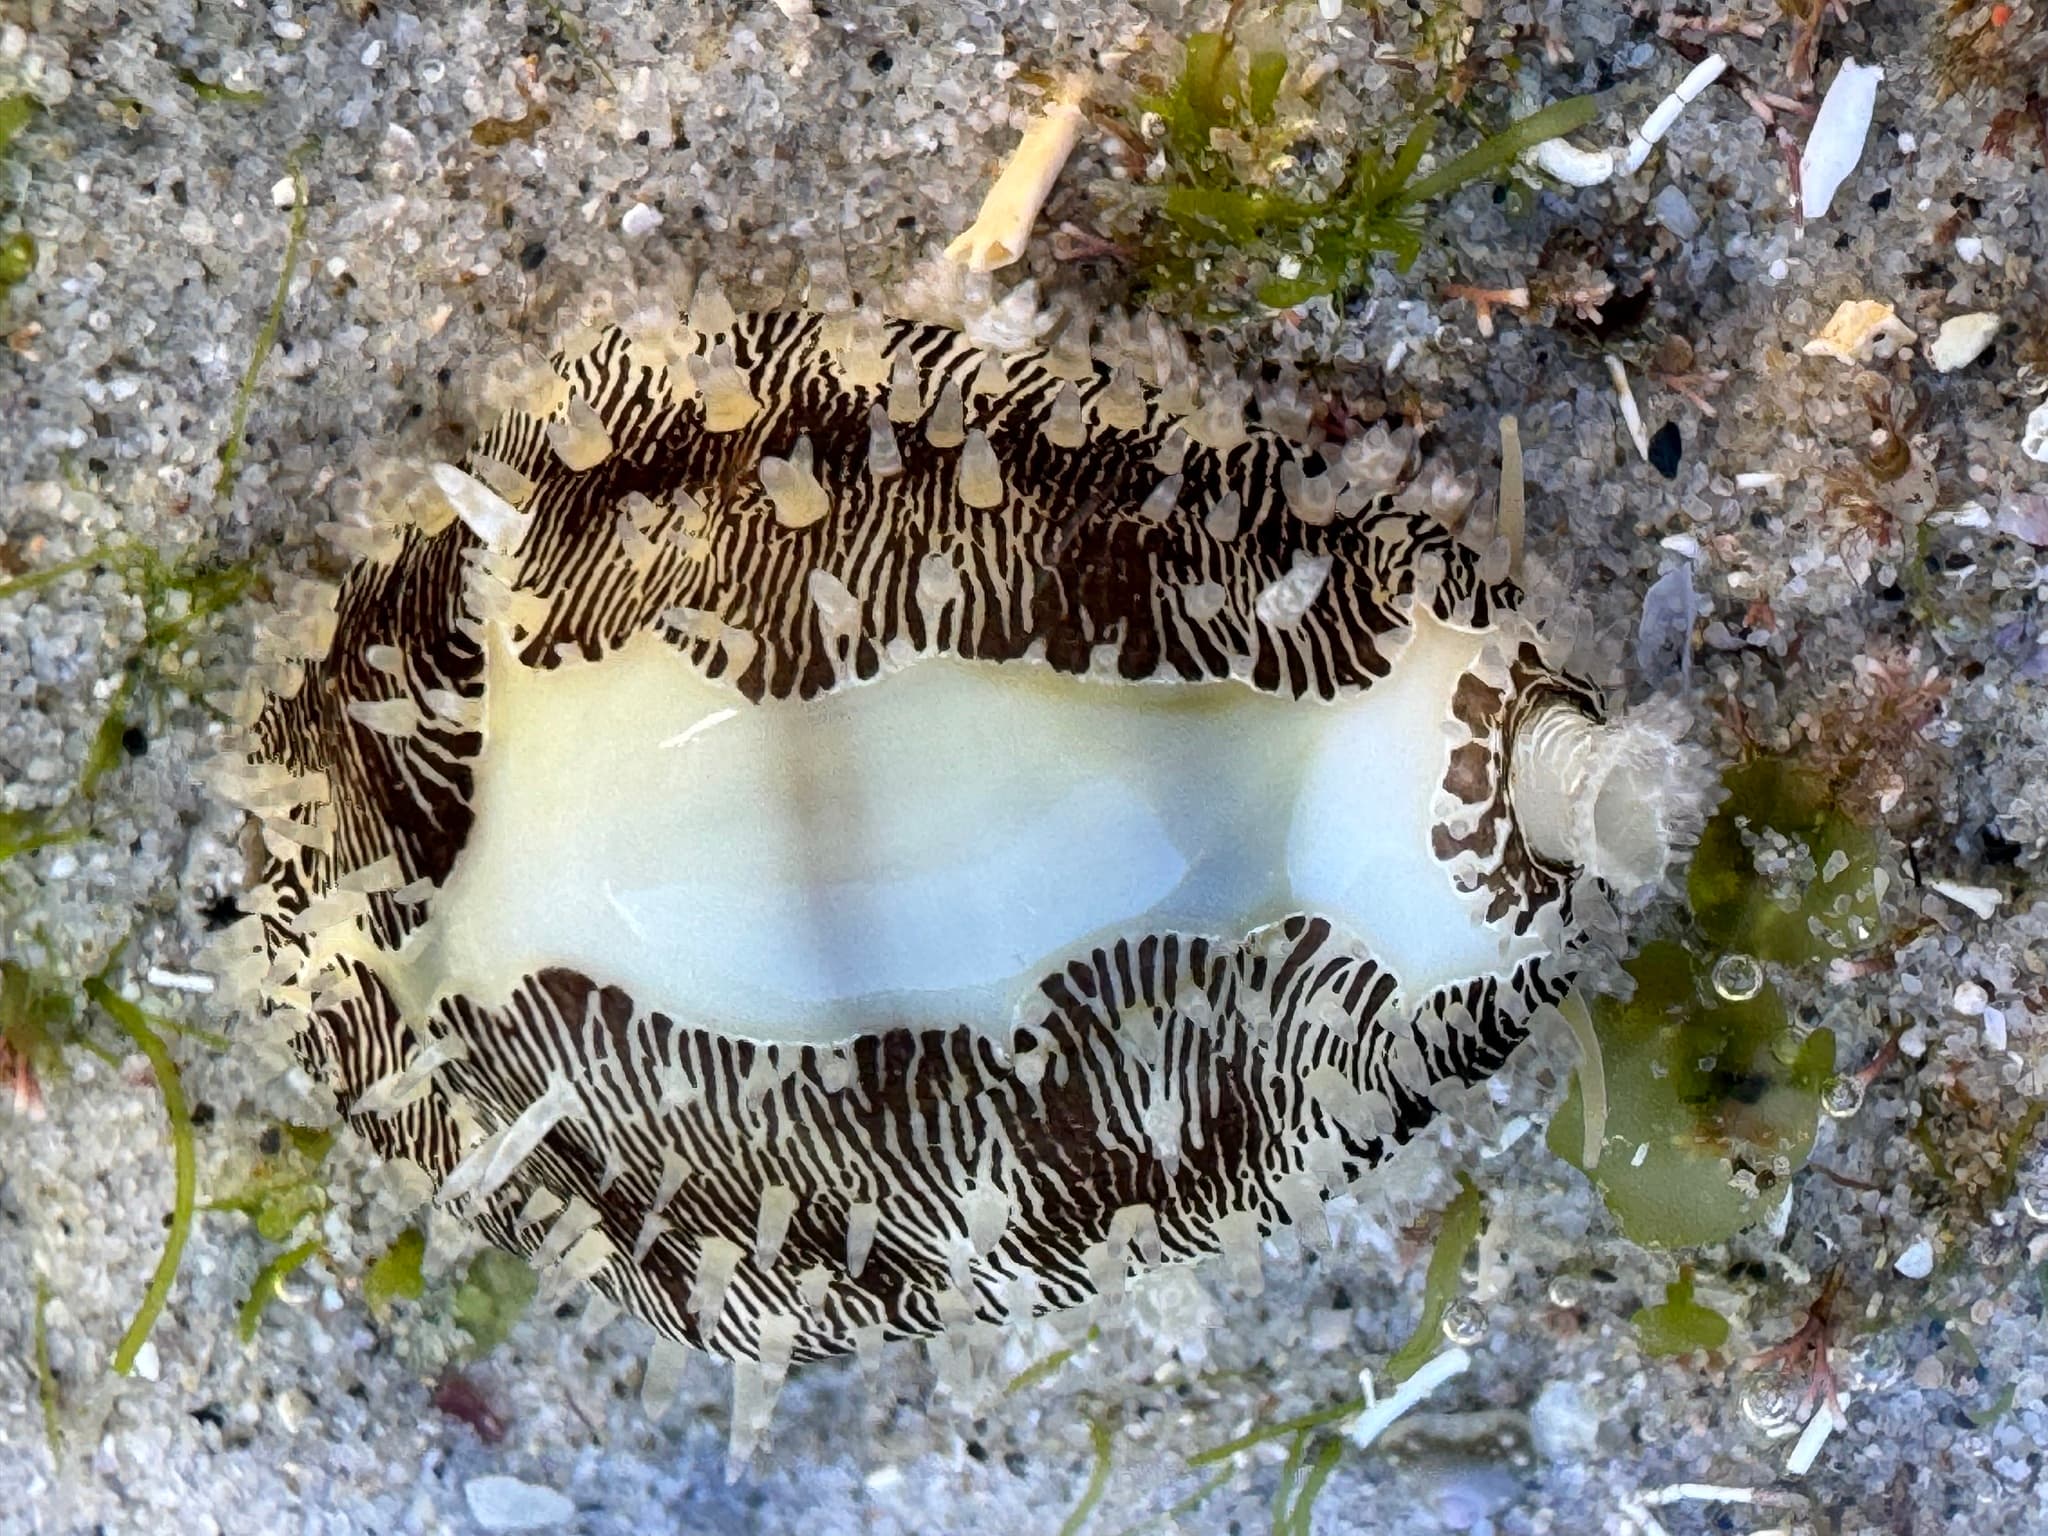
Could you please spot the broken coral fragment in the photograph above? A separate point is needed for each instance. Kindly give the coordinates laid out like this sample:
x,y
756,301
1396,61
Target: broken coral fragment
x,y
1859,330
1962,340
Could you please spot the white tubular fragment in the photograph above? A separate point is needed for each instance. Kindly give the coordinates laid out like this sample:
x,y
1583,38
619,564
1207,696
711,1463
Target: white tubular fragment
x,y
1577,167
999,232
1659,122
1631,413
1379,1414
1573,166
1618,799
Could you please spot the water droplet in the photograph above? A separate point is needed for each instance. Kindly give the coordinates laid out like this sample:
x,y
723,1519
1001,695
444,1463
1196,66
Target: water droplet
x,y
1737,978
1841,1096
1566,1291
1464,1322
1768,1402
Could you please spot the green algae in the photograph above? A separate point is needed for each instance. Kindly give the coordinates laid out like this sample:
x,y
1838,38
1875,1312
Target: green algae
x,y
1711,1104
46,1375
16,113
1679,1325
38,1018
266,338
1713,1093
1312,1455
495,1292
212,91
179,596
264,1289
396,1274
17,259
1294,1502
1104,1445
1750,896
285,1186
18,251
1240,222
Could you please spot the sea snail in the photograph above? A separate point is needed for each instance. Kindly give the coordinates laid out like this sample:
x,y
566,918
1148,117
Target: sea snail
x,y
831,834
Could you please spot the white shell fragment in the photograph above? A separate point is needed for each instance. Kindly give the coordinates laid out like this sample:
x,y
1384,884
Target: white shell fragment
x,y
2034,440
1835,144
1962,340
1980,899
1859,330
1625,401
1917,1262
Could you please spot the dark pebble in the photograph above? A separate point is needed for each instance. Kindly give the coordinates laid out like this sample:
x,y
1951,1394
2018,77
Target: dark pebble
x,y
535,253
1665,450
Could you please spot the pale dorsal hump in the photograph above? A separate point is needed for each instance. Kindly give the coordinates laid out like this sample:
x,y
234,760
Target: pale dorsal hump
x,y
845,836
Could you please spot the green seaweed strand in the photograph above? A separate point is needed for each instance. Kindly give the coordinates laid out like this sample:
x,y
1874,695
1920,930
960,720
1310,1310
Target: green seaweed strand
x,y
1098,1480
46,1377
1297,1425
264,1289
1463,1218
231,449
35,581
1501,151
135,1024
1295,1522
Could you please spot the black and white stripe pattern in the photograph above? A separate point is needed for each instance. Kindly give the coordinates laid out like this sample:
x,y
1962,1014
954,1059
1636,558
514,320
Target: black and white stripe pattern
x,y
1163,1085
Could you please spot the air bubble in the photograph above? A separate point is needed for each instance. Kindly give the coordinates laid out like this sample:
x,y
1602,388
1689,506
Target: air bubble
x,y
1841,1096
1464,1322
1737,978
1566,1291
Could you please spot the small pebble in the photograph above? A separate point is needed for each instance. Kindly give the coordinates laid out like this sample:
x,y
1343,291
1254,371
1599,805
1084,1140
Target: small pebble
x,y
507,1504
1564,1422
1670,208
1917,1262
1962,340
283,193
1666,448
1970,999
640,219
